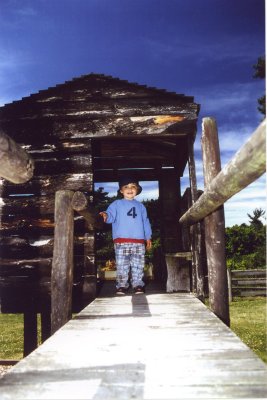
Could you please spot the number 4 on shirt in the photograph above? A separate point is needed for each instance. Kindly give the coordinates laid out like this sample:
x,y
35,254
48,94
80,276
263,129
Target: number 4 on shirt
x,y
132,212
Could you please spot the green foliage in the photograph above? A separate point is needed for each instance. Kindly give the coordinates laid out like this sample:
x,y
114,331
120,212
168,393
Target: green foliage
x,y
248,321
259,68
260,73
245,244
255,218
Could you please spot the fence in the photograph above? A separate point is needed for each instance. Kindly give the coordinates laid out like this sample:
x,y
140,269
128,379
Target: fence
x,y
247,283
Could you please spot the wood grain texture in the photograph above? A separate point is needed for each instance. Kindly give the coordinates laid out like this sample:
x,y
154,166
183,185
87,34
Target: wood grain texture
x,y
154,346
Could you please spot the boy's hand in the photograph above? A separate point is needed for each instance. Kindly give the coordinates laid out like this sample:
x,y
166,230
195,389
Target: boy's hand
x,y
104,215
149,244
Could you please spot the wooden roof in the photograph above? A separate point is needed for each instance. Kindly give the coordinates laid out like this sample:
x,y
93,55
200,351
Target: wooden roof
x,y
129,125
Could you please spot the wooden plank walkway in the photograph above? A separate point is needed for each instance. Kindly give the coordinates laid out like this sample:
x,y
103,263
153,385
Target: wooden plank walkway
x,y
154,346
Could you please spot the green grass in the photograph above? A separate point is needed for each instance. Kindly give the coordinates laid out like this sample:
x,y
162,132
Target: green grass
x,y
248,321
11,336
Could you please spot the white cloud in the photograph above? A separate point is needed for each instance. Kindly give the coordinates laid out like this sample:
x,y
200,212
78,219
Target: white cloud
x,y
208,50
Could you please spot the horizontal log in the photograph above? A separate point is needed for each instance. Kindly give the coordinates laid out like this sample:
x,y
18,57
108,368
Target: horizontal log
x,y
40,267
35,268
249,273
33,227
16,165
249,292
48,184
72,129
248,164
248,282
111,175
99,109
40,247
74,164
81,204
29,206
134,162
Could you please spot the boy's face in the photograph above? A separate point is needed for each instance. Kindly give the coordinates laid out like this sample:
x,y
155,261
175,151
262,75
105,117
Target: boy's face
x,y
129,191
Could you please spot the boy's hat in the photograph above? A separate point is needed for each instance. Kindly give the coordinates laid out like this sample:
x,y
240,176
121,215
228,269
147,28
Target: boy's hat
x,y
126,180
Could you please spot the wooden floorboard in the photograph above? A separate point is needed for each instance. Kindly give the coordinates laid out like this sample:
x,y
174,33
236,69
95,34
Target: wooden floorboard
x,y
153,346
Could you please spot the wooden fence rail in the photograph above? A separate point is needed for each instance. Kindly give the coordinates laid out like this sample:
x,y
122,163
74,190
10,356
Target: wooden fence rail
x,y
247,165
247,283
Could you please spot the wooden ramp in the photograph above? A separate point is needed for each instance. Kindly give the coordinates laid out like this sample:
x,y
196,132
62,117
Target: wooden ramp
x,y
154,346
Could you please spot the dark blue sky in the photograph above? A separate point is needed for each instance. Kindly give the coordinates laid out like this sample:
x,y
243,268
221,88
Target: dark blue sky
x,y
203,48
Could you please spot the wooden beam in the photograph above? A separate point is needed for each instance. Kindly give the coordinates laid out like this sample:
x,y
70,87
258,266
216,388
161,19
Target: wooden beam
x,y
30,331
215,226
62,265
15,163
248,164
80,204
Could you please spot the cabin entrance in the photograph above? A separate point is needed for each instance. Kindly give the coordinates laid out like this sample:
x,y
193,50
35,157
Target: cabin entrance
x,y
155,159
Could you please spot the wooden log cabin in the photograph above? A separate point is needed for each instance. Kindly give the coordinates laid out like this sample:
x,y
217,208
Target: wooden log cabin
x,y
90,129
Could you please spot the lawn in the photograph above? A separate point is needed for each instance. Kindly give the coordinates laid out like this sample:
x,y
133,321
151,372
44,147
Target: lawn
x,y
248,321
11,336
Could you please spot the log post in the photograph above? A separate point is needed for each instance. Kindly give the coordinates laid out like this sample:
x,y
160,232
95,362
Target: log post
x,y
81,205
215,226
247,165
62,265
195,230
230,291
45,325
30,331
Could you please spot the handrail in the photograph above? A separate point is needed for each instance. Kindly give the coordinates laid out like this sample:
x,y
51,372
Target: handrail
x,y
247,165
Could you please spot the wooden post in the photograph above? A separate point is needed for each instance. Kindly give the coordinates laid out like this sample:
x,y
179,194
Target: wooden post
x,y
171,240
45,325
229,280
62,265
247,165
30,331
80,204
215,226
195,230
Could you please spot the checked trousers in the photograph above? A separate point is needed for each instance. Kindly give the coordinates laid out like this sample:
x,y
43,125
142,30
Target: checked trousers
x,y
130,257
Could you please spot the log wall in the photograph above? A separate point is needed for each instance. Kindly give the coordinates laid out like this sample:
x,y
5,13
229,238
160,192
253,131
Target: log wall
x,y
60,128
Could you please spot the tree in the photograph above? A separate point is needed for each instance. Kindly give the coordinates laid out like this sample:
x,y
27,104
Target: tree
x,y
255,218
245,244
260,73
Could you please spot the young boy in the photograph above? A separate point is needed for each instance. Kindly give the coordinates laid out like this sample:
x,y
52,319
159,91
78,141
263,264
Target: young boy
x,y
130,231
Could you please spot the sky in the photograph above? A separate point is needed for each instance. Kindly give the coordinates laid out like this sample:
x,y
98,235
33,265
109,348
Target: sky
x,y
201,48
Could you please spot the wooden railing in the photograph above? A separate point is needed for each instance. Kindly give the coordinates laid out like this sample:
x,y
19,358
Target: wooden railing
x,y
247,165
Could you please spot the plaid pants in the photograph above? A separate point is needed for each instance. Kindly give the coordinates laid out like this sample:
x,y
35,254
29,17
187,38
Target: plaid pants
x,y
129,256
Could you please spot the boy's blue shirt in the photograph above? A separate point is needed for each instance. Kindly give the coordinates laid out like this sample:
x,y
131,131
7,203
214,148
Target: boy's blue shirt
x,y
129,220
